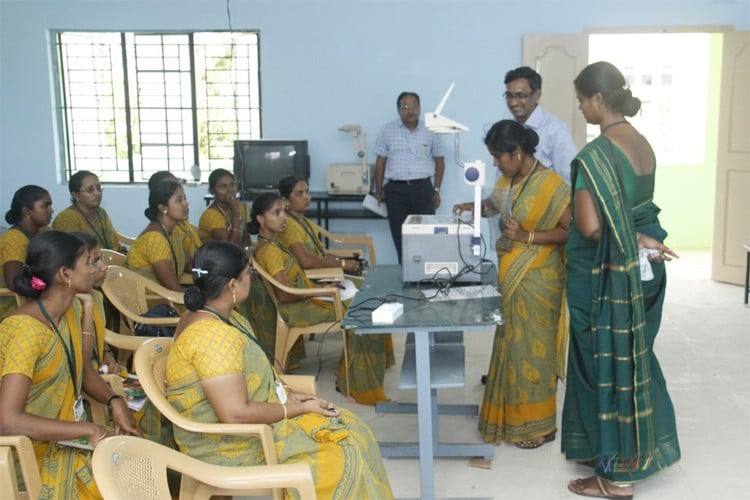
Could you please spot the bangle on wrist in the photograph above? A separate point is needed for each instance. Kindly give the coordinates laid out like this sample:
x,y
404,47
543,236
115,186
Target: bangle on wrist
x,y
531,238
113,396
285,413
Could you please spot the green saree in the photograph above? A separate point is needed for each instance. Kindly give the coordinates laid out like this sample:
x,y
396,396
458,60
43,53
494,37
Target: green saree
x,y
617,410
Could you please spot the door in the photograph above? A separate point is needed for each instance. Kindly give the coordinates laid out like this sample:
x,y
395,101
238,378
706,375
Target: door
x,y
559,59
732,208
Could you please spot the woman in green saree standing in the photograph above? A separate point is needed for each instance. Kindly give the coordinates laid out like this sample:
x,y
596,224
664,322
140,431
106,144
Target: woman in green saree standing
x,y
617,415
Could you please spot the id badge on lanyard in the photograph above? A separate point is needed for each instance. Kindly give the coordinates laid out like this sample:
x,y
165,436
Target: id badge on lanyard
x,y
78,411
281,392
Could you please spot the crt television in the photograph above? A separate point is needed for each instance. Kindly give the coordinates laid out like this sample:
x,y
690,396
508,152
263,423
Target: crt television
x,y
260,164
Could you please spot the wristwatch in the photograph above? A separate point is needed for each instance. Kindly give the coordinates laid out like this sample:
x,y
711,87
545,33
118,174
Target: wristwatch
x,y
437,190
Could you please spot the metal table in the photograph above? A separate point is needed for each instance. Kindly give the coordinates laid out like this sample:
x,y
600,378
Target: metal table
x,y
427,321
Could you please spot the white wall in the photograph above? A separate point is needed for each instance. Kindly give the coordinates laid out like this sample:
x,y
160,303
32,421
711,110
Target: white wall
x,y
324,63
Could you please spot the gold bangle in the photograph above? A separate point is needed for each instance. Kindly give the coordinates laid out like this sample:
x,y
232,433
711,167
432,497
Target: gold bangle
x,y
285,414
102,435
343,264
87,333
531,238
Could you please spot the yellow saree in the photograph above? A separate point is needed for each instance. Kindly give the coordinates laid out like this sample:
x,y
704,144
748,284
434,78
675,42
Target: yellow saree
x,y
342,452
29,347
520,396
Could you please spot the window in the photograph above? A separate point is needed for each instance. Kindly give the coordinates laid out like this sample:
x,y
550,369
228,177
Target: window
x,y
134,103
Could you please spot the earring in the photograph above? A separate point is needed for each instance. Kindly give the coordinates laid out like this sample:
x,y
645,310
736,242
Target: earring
x,y
518,156
165,211
67,280
234,297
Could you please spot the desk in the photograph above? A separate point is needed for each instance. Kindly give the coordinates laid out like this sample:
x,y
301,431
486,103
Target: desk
x,y
423,319
322,210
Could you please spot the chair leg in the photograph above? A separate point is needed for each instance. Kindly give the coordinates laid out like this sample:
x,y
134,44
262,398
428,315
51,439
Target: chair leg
x,y
747,275
346,364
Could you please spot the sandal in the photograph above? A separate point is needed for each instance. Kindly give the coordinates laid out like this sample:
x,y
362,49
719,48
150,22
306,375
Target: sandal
x,y
531,444
595,486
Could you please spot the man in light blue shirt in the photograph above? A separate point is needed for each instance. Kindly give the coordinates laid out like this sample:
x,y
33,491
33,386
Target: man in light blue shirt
x,y
556,149
408,156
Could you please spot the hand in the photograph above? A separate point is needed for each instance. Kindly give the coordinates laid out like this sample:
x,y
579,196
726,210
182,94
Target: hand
x,y
320,407
379,196
98,433
300,397
112,365
460,208
123,419
233,202
665,253
351,266
436,200
87,301
513,230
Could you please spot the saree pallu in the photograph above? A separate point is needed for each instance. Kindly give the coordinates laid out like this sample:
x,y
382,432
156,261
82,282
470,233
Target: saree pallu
x,y
617,410
520,396
153,246
342,452
367,353
29,347
72,219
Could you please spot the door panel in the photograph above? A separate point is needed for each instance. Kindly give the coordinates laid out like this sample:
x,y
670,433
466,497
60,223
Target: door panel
x,y
732,209
559,59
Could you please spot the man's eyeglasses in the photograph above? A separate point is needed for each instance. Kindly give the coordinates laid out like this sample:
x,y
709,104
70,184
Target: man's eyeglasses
x,y
521,96
407,107
94,188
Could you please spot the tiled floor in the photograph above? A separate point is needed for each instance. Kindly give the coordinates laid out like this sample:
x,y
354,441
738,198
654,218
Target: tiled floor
x,y
703,347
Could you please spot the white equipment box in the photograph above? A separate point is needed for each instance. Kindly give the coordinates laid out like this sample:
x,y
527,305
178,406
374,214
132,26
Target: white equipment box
x,y
437,246
348,178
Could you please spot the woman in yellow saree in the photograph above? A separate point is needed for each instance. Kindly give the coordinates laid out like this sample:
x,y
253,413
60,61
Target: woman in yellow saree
x,y
367,353
42,366
217,372
519,404
157,253
30,212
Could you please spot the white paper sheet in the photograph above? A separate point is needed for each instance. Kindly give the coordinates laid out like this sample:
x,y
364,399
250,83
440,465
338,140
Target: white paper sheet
x,y
371,204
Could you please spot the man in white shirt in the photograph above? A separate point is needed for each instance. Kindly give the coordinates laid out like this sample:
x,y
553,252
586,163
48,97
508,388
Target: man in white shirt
x,y
556,149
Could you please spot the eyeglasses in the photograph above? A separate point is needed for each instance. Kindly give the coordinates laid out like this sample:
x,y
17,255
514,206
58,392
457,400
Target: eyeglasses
x,y
521,96
94,188
407,107
99,263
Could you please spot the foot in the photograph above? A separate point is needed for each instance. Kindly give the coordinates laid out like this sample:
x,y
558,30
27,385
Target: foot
x,y
595,486
530,444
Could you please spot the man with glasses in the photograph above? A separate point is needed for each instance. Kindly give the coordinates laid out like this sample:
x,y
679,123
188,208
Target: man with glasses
x,y
408,156
556,149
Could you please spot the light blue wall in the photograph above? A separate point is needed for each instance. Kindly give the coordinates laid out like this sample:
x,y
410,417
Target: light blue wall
x,y
324,63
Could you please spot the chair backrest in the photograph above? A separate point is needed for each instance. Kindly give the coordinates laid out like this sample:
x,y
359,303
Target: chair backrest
x,y
27,462
362,242
113,258
127,468
7,292
125,240
128,292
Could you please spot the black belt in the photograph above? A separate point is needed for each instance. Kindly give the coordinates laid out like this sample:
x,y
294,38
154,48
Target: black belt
x,y
410,181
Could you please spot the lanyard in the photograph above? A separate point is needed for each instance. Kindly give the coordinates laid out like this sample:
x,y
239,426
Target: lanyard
x,y
69,355
242,329
279,246
171,248
302,222
101,237
509,210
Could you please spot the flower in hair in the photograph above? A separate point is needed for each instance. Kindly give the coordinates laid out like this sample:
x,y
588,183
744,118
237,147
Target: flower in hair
x,y
37,283
198,272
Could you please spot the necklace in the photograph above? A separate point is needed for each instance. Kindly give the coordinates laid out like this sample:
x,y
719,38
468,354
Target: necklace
x,y
613,124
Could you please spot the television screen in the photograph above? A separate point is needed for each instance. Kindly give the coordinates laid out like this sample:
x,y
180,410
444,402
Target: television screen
x,y
259,165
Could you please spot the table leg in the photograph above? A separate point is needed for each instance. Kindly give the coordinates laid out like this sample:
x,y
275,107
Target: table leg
x,y
424,415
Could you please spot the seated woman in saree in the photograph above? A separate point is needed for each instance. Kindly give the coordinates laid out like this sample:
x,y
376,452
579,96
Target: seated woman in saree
x,y
533,201
184,231
85,213
42,367
299,236
158,253
367,353
217,372
617,415
30,212
225,219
